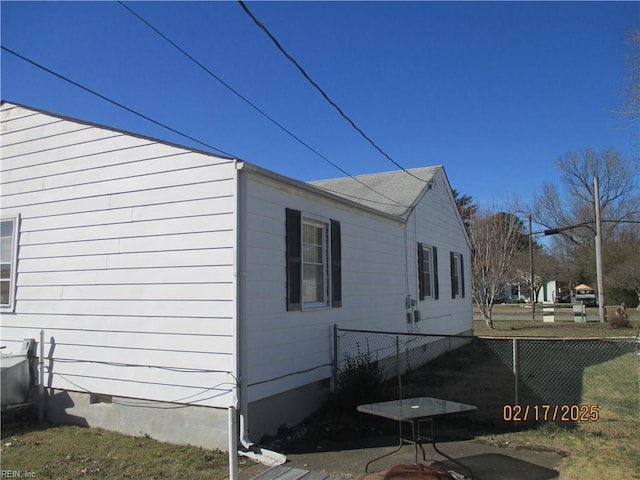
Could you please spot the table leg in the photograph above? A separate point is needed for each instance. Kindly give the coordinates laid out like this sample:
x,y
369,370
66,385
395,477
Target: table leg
x,y
433,443
417,441
401,444
415,434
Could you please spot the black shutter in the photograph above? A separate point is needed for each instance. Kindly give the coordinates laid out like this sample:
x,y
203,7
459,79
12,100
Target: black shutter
x,y
421,285
462,275
454,284
336,264
293,226
436,290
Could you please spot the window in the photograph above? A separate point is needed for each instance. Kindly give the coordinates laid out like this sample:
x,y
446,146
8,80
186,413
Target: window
x,y
457,275
314,262
427,272
8,247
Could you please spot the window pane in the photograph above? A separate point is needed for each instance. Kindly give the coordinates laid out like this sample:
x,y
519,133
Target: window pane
x,y
6,246
312,234
4,292
455,272
312,254
427,278
312,283
6,228
427,272
5,271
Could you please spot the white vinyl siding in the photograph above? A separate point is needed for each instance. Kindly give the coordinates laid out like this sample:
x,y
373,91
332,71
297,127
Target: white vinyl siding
x,y
435,223
127,260
298,343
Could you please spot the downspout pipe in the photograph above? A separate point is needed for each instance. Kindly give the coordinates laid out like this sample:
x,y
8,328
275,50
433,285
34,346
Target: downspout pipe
x,y
250,450
242,403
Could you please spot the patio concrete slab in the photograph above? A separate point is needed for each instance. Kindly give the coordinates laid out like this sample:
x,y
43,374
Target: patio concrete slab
x,y
488,462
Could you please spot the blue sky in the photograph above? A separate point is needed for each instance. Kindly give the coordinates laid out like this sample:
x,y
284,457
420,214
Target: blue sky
x,y
495,92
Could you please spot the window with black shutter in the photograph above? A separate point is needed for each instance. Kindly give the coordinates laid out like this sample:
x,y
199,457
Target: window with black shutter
x,y
457,275
427,272
314,262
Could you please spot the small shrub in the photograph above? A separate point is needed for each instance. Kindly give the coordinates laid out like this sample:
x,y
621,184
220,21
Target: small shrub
x,y
361,381
620,317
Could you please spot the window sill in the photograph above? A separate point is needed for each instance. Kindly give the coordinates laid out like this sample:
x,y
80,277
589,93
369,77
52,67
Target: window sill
x,y
315,306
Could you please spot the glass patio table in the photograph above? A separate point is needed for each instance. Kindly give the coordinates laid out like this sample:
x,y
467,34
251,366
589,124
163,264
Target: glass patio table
x,y
416,411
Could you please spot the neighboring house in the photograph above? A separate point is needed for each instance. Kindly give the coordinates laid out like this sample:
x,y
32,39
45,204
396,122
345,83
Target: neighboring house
x,y
171,284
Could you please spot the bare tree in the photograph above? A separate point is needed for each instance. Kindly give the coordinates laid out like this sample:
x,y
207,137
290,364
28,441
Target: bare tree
x,y
546,269
631,109
623,264
619,198
619,202
495,239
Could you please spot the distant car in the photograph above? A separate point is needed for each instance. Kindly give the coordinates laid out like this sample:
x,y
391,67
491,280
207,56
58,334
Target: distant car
x,y
586,296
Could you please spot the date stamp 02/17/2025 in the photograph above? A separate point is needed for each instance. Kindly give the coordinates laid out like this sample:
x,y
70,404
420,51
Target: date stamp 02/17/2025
x,y
550,413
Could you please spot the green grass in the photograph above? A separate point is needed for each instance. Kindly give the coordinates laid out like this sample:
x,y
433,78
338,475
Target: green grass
x,y
515,321
607,448
608,385
585,455
63,452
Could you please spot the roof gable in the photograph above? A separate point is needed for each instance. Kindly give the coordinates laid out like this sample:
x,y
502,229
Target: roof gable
x,y
393,193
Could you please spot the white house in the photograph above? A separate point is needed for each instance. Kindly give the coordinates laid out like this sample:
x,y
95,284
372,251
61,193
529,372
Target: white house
x,y
171,284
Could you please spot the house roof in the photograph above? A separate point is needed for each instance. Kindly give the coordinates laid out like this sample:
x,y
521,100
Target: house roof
x,y
393,193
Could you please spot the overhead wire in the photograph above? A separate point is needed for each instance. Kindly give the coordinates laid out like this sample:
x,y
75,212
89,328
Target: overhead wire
x,y
113,102
321,90
253,105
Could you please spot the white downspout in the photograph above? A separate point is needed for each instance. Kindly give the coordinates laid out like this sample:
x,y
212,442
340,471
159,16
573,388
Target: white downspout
x,y
241,344
266,457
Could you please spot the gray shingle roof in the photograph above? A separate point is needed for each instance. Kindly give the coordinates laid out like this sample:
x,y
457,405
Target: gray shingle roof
x,y
395,192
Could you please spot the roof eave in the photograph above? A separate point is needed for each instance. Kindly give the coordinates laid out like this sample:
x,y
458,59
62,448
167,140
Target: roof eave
x,y
254,169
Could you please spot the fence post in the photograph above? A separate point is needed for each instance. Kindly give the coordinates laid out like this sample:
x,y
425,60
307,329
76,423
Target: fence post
x,y
334,366
398,365
41,392
638,355
515,368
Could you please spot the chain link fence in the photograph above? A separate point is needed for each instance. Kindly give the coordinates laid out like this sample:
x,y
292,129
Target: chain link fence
x,y
591,385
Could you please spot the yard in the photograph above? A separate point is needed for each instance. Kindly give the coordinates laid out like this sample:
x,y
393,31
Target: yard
x,y
65,452
590,451
515,320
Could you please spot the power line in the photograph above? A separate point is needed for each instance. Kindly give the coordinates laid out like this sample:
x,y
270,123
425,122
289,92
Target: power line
x,y
113,102
252,105
322,92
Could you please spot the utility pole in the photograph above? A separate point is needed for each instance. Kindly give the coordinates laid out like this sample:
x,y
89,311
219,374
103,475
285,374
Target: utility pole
x,y
533,288
602,313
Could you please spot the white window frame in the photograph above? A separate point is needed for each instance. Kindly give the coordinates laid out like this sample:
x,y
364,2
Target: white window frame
x,y
427,255
13,263
325,302
457,267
